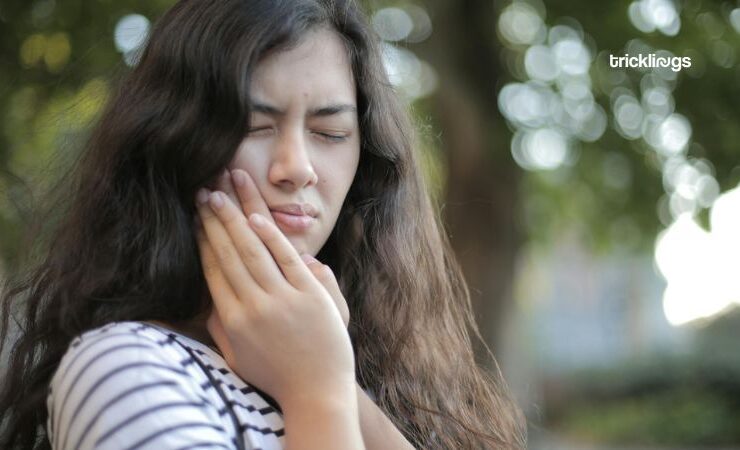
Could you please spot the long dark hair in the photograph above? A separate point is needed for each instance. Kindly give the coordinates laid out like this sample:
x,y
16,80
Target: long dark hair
x,y
122,247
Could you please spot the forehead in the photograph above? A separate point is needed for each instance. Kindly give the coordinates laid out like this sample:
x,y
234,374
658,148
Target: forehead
x,y
316,70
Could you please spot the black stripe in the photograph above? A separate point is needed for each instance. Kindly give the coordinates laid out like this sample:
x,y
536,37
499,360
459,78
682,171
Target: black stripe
x,y
167,430
82,370
128,420
113,372
82,351
267,430
202,444
115,399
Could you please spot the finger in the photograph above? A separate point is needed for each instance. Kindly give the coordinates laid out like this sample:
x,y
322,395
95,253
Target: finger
x,y
283,252
224,298
252,252
249,196
226,254
324,274
225,184
326,277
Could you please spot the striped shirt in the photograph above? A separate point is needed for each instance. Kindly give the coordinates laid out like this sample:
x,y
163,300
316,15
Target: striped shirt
x,y
133,385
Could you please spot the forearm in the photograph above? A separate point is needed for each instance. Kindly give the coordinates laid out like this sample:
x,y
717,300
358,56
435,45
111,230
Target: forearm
x,y
326,423
378,432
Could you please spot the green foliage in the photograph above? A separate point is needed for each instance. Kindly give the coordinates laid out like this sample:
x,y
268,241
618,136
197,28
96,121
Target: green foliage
x,y
684,417
686,400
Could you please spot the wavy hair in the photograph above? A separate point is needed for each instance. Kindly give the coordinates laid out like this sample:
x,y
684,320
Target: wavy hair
x,y
122,245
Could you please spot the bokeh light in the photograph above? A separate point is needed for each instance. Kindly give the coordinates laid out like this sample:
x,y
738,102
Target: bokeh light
x,y
392,24
521,24
130,35
700,266
650,15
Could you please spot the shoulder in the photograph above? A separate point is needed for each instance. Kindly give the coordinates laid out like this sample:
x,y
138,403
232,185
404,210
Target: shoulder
x,y
120,345
113,380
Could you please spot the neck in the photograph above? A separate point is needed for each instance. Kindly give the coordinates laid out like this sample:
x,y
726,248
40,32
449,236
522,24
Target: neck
x,y
194,328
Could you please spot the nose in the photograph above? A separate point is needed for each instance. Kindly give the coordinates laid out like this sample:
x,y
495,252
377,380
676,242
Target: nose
x,y
291,165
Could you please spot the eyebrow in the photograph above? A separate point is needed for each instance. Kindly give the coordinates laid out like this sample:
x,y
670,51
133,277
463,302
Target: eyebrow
x,y
321,111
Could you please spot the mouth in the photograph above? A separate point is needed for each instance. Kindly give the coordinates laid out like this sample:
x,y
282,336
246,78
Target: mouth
x,y
293,223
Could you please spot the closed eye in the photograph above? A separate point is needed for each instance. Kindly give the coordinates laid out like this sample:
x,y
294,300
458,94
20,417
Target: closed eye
x,y
254,130
328,136
332,137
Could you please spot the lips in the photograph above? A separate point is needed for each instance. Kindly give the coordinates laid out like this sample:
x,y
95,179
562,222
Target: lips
x,y
294,218
296,209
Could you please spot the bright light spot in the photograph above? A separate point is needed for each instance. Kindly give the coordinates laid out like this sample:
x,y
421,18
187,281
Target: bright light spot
x,y
540,63
563,33
580,109
520,24
392,24
525,104
658,100
542,149
648,15
707,190
592,127
725,219
628,115
638,20
572,56
680,205
413,77
422,23
131,32
735,19
673,134
700,266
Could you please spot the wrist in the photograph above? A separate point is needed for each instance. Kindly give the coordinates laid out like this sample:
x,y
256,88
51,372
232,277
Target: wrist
x,y
336,396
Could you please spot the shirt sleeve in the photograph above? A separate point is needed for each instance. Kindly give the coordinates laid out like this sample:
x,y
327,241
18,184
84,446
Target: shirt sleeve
x,y
121,390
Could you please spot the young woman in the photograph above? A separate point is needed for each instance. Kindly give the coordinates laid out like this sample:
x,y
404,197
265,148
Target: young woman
x,y
145,328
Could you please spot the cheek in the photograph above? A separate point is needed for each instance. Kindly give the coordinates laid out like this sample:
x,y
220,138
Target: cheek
x,y
250,160
335,177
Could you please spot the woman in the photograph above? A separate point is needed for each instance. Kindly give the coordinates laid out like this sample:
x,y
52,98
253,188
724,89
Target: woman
x,y
292,98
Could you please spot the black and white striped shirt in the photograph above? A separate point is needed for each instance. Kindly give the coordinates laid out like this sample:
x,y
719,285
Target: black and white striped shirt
x,y
130,385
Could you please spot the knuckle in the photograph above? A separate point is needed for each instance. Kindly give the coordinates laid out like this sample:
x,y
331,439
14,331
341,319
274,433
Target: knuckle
x,y
260,311
249,253
291,261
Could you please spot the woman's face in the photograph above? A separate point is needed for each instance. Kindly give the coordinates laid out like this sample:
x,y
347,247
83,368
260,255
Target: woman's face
x,y
303,146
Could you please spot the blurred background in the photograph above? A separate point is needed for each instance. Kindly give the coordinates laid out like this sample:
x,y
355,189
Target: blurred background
x,y
595,210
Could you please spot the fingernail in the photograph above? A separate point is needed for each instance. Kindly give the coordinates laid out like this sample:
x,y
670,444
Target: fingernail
x,y
308,259
217,200
238,178
257,220
202,196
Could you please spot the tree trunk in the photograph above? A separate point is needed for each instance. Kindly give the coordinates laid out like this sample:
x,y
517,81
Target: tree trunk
x,y
481,198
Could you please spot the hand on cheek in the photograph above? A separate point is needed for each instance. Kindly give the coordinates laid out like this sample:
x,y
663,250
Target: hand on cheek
x,y
276,322
241,189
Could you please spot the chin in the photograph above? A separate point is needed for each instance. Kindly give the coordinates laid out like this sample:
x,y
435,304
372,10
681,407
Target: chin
x,y
299,245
